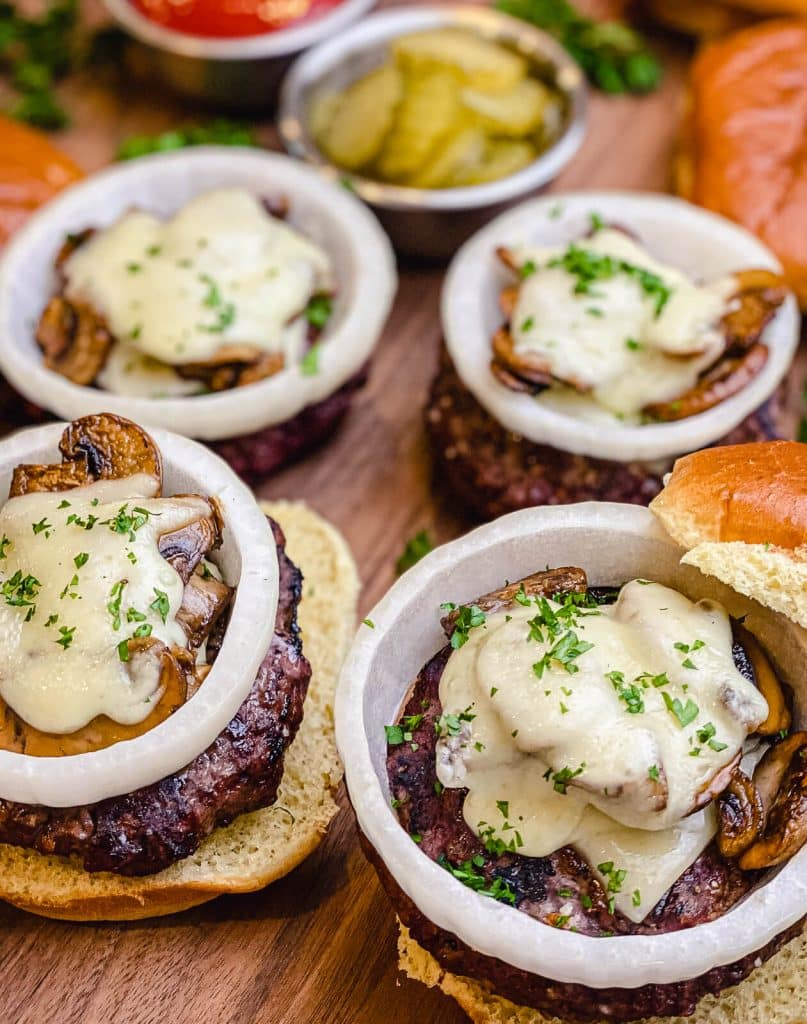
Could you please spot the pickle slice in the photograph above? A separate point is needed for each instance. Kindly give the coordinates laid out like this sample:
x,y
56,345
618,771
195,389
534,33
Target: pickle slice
x,y
514,113
502,159
362,118
426,115
473,60
460,151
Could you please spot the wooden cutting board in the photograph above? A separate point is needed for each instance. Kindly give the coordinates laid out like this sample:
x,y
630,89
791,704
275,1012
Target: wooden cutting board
x,y
318,947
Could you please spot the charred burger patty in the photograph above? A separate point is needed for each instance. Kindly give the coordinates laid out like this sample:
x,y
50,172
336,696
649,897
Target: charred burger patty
x,y
144,832
495,471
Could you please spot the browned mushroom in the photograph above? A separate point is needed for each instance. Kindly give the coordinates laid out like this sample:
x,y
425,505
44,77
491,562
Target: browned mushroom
x,y
568,580
715,785
759,295
233,366
508,258
74,339
112,447
185,548
71,245
100,447
785,831
21,738
63,476
529,367
726,378
508,298
740,815
779,717
205,599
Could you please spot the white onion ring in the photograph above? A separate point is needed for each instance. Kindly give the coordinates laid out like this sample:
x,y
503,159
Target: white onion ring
x,y
248,559
702,244
363,261
612,543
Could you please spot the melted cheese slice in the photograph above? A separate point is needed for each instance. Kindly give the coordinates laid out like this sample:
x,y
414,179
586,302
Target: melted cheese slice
x,y
223,271
74,584
611,340
606,746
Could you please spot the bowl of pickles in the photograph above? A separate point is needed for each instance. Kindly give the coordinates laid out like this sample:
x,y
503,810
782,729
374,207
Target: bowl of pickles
x,y
438,117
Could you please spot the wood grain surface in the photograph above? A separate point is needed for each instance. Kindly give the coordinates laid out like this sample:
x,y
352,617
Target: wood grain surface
x,y
318,947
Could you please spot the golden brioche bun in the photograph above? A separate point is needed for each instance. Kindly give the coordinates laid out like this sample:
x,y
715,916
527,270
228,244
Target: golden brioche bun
x,y
741,513
257,848
741,151
774,994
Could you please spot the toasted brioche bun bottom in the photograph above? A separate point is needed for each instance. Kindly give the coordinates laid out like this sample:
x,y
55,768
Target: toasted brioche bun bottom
x,y
257,848
774,994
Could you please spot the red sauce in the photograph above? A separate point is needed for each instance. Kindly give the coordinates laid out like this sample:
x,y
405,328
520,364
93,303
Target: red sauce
x,y
231,18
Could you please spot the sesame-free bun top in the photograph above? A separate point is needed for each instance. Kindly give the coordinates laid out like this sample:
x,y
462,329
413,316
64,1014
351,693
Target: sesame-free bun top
x,y
741,152
741,513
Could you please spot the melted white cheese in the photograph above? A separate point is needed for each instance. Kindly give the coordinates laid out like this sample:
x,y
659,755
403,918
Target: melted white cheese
x,y
222,271
607,749
60,664
612,341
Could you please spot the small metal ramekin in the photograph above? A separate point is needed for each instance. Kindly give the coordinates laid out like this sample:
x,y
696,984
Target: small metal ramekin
x,y
242,73
430,223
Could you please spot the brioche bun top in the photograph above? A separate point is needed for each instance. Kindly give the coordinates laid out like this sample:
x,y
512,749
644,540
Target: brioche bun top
x,y
739,153
756,493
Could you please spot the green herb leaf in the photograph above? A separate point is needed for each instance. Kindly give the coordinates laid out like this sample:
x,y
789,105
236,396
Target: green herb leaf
x,y
417,547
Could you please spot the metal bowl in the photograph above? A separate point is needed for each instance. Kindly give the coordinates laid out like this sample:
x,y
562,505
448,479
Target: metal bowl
x,y
430,223
242,73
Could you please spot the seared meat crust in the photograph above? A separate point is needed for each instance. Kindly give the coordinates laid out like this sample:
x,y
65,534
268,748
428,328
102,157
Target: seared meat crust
x,y
494,471
563,999
253,456
143,832
708,889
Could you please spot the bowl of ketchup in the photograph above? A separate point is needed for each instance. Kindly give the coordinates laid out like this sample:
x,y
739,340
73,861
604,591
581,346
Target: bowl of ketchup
x,y
231,53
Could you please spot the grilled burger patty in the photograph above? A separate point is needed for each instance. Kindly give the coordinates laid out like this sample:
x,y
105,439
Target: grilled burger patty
x,y
495,471
144,832
252,456
560,890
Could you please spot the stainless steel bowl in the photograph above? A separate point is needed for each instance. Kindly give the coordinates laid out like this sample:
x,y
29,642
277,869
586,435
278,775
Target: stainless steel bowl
x,y
240,74
430,223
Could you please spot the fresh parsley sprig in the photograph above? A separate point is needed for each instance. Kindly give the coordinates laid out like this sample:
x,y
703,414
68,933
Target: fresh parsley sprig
x,y
614,56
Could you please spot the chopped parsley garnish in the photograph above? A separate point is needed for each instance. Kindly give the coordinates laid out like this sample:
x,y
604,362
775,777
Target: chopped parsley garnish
x,y
81,559
309,364
41,526
4,545
161,604
632,344
653,773
706,735
451,724
133,615
144,629
394,734
417,547
561,779
68,591
113,605
630,693
528,323
64,504
636,898
52,620
318,311
684,714
19,591
527,269
369,623
126,522
565,652
123,650
469,874
65,636
468,617
589,267
134,268
218,133
503,807
614,879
